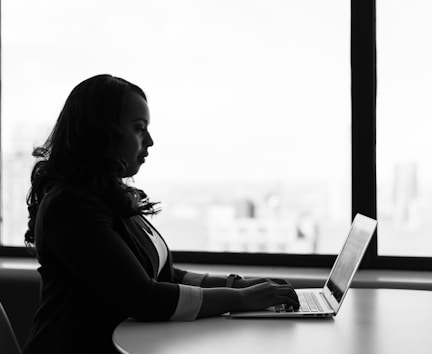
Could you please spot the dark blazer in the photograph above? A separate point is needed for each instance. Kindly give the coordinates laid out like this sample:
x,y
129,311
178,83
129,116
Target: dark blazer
x,y
97,269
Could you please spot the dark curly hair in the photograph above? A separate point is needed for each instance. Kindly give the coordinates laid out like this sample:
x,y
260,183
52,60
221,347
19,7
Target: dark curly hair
x,y
77,152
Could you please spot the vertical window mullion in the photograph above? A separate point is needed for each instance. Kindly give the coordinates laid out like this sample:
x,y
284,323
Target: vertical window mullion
x,y
363,91
1,142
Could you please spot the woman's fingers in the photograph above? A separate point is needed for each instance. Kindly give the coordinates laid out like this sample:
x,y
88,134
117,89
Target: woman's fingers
x,y
267,294
288,294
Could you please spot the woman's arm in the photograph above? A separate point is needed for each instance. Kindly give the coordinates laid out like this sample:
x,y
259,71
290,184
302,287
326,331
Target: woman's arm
x,y
243,295
215,281
217,301
80,232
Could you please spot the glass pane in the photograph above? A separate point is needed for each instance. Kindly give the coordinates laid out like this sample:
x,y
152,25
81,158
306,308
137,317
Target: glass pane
x,y
250,105
404,125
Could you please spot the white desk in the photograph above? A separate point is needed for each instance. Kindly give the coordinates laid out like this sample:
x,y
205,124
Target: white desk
x,y
367,323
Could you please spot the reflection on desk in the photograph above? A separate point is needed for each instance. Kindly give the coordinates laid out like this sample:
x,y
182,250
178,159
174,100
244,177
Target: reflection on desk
x,y
371,321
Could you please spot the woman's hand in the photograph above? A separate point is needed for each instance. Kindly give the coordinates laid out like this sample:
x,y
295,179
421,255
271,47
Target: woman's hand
x,y
269,293
247,295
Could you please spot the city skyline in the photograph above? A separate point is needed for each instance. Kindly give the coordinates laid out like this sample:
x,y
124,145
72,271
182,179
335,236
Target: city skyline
x,y
292,218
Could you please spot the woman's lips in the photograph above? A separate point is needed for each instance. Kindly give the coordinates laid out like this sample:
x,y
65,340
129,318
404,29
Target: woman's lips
x,y
142,157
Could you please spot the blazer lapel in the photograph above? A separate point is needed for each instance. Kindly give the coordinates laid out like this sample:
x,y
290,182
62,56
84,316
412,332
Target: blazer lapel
x,y
167,272
141,246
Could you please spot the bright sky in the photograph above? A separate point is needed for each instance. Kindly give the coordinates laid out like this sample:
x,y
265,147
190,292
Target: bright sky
x,y
246,90
404,110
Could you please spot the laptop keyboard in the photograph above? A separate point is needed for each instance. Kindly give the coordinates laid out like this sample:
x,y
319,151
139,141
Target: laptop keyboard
x,y
308,303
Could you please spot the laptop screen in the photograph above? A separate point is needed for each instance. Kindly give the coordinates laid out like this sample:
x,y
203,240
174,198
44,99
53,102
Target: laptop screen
x,y
349,258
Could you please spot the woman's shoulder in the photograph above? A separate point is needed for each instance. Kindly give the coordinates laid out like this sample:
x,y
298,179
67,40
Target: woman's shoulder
x,y
70,195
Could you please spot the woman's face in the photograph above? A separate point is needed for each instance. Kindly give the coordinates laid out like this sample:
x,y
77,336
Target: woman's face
x,y
136,139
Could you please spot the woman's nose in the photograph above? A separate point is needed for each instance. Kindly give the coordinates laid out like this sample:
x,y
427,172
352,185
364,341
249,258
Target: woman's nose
x,y
149,141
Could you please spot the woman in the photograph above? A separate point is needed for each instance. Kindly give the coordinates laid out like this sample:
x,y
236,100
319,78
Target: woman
x,y
101,261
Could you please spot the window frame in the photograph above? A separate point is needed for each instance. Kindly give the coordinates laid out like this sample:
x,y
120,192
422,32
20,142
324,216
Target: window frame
x,y
363,164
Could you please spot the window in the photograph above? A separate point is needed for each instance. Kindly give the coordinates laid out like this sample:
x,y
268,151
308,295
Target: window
x,y
403,128
263,116
250,112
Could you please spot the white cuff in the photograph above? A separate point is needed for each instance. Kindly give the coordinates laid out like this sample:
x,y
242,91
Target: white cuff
x,y
189,303
195,279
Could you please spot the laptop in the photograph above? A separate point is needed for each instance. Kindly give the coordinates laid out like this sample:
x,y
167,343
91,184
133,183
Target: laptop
x,y
327,301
